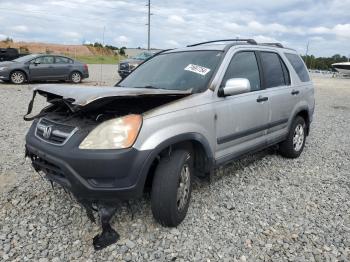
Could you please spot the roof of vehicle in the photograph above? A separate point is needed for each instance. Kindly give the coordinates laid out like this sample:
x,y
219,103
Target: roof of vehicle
x,y
221,45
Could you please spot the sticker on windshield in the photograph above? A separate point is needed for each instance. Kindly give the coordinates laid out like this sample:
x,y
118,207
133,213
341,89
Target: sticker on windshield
x,y
197,69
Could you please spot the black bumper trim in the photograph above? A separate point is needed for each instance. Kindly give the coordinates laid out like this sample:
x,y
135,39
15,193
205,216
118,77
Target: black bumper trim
x,y
91,174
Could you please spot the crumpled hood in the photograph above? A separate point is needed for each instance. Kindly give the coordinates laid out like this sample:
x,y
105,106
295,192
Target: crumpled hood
x,y
83,94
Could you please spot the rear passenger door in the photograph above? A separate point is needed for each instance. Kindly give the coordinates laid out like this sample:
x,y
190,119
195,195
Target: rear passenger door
x,y
277,82
62,67
242,119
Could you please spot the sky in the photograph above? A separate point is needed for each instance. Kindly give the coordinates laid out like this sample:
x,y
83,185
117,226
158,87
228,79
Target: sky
x,y
175,23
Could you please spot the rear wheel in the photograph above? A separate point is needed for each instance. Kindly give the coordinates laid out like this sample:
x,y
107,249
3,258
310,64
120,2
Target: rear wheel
x,y
75,77
295,142
17,77
171,188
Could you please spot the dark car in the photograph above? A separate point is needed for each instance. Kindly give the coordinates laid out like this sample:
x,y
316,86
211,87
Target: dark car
x,y
126,66
8,54
40,67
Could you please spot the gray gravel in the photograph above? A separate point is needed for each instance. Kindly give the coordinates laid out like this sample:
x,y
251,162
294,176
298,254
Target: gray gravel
x,y
263,207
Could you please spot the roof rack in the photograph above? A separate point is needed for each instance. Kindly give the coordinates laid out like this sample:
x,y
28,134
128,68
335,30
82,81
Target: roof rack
x,y
273,44
249,41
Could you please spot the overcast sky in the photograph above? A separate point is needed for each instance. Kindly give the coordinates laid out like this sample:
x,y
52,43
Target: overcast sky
x,y
175,23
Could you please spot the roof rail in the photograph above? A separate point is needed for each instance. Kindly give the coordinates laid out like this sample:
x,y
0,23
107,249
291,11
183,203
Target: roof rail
x,y
249,41
273,44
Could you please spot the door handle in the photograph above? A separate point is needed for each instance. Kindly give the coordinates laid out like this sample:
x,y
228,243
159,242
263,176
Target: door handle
x,y
295,92
262,99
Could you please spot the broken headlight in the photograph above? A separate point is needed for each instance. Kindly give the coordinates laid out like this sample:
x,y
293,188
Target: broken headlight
x,y
114,134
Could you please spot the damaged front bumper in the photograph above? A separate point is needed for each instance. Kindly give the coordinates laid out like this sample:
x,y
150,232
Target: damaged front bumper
x,y
91,175
98,179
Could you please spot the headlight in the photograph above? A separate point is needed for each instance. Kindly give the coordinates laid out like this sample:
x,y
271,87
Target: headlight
x,y
3,68
133,66
114,134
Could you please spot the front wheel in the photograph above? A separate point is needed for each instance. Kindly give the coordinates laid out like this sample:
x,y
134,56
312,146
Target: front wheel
x,y
171,188
75,77
295,142
17,77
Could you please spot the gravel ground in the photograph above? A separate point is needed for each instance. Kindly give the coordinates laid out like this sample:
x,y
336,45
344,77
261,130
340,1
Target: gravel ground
x,y
263,207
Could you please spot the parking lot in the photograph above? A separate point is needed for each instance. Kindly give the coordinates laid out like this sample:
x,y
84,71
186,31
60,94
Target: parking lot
x,y
262,207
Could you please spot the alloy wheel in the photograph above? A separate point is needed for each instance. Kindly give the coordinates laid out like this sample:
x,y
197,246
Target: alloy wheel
x,y
76,78
17,77
298,138
183,190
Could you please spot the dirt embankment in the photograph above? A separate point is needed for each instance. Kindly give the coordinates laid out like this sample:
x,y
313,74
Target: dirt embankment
x,y
70,50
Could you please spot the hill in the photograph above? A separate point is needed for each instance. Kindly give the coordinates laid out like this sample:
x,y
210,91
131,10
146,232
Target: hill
x,y
88,54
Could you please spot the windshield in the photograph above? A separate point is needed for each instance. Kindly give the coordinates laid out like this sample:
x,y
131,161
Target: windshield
x,y
175,71
143,56
24,58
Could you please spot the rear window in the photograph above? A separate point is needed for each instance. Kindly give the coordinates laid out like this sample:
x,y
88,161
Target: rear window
x,y
299,67
275,71
62,60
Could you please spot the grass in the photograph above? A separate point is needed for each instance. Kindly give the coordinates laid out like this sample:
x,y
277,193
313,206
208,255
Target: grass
x,y
99,59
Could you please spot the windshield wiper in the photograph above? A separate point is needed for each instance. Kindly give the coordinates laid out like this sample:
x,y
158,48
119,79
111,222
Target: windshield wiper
x,y
149,86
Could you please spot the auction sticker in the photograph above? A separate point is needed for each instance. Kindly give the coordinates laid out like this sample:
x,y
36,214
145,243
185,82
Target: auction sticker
x,y
197,69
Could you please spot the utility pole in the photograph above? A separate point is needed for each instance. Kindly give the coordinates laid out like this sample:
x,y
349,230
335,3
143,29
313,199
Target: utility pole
x,y
149,25
103,45
307,51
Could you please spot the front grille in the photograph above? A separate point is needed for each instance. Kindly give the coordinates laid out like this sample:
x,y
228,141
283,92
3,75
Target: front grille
x,y
124,66
53,132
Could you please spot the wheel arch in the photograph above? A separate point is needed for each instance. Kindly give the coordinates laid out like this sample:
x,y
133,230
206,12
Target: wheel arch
x,y
197,143
305,114
75,71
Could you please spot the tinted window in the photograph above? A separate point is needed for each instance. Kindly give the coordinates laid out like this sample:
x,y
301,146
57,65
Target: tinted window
x,y
299,67
44,60
244,65
273,70
62,60
285,72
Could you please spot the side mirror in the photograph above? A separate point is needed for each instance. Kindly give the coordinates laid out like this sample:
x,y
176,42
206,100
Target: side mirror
x,y
235,86
36,63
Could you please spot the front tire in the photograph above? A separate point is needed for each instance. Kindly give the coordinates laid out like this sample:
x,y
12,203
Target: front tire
x,y
171,188
18,77
295,142
75,77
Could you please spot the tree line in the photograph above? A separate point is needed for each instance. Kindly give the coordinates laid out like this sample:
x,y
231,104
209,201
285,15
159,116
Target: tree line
x,y
121,50
323,63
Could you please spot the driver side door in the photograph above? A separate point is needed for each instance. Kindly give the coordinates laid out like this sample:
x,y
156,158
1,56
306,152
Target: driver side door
x,y
41,68
242,120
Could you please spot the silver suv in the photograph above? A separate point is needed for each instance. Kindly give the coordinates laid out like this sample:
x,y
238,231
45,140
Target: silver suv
x,y
180,114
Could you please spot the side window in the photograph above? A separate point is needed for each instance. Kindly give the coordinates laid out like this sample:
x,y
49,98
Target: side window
x,y
244,65
299,67
44,60
274,73
62,60
285,73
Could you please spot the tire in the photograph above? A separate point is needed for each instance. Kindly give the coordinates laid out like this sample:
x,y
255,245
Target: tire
x,y
18,77
295,142
167,208
75,77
